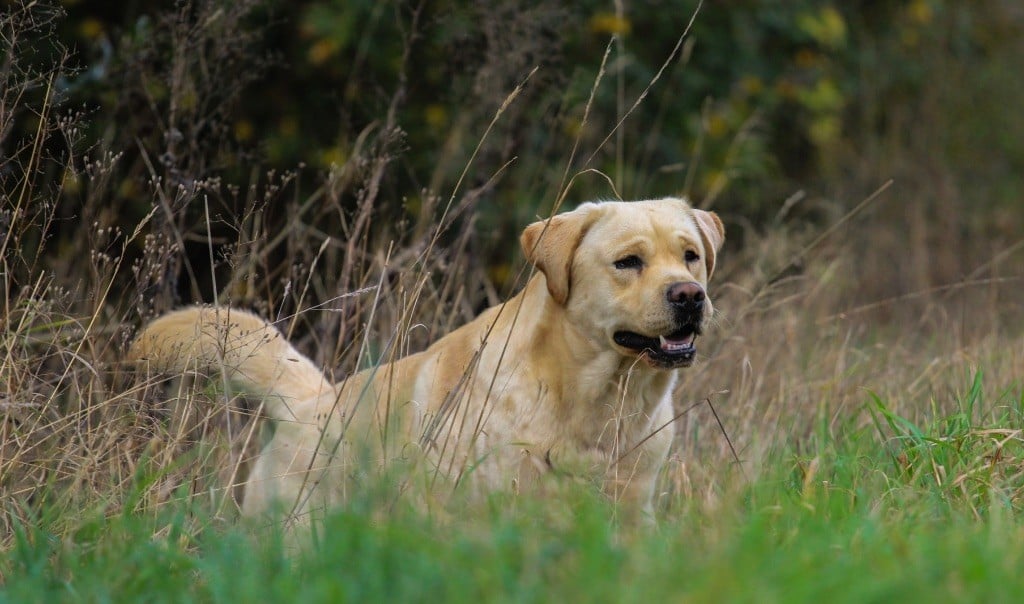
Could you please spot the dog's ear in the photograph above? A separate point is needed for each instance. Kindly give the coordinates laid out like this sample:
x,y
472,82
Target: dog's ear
x,y
551,244
712,233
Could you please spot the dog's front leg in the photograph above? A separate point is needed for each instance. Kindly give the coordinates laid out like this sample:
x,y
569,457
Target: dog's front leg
x,y
632,475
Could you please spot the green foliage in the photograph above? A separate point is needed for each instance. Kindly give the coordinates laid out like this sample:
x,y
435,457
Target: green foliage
x,y
966,457
505,109
802,532
767,95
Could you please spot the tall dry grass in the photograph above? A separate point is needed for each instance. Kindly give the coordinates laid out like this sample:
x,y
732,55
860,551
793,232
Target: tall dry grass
x,y
803,333
795,361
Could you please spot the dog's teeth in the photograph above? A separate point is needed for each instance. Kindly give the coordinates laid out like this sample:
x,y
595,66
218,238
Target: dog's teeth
x,y
676,345
671,345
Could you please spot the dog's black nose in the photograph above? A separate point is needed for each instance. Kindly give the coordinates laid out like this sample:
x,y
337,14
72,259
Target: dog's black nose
x,y
686,295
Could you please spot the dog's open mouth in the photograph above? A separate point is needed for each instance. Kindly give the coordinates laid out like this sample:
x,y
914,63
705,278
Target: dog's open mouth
x,y
672,350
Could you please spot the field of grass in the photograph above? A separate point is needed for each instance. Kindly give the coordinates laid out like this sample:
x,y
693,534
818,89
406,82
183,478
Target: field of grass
x,y
853,430
887,511
876,459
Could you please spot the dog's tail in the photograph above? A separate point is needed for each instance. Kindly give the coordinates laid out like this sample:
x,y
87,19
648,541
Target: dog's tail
x,y
249,351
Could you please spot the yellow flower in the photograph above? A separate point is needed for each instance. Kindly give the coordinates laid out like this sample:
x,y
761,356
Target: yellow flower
x,y
72,182
610,23
827,27
751,84
717,126
824,130
500,274
321,51
243,130
920,11
127,189
572,127
333,156
435,115
188,99
824,97
90,28
714,180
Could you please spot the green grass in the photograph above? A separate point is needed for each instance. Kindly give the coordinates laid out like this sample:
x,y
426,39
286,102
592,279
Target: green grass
x,y
884,511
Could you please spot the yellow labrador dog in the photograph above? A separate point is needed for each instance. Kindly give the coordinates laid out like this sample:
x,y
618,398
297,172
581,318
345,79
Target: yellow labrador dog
x,y
572,375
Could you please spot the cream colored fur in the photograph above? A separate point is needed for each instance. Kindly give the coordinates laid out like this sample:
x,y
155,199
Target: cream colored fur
x,y
532,386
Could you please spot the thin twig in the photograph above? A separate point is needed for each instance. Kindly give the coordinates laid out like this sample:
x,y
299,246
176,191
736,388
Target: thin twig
x,y
726,435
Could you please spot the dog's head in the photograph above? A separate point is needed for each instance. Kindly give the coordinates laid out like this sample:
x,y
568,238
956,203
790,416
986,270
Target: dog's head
x,y
633,274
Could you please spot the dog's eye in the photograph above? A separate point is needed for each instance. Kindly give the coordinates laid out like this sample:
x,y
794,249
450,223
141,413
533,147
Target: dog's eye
x,y
628,262
691,256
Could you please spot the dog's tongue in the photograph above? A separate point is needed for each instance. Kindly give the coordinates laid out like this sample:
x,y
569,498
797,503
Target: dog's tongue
x,y
677,344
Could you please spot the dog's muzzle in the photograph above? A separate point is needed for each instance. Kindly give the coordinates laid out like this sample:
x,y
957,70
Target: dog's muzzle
x,y
678,348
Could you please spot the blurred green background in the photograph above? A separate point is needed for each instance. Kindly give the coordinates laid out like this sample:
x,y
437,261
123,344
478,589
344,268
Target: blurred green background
x,y
768,112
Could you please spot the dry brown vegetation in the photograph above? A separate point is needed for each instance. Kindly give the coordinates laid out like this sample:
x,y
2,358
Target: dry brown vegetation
x,y
814,316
